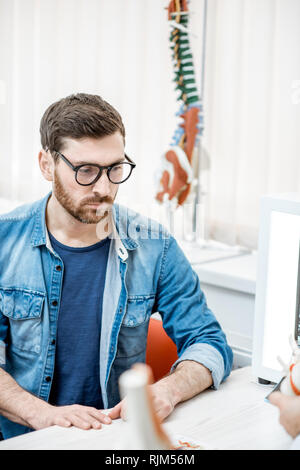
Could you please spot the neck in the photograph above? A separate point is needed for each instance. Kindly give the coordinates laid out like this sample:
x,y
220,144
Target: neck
x,y
71,232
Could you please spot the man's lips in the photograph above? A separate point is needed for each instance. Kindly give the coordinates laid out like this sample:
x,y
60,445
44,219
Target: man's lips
x,y
97,204
102,208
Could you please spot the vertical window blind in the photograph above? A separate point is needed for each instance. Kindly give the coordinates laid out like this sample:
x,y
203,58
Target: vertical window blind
x,y
119,49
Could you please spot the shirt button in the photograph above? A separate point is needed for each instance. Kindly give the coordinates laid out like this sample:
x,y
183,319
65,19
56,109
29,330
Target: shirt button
x,y
58,268
54,303
48,378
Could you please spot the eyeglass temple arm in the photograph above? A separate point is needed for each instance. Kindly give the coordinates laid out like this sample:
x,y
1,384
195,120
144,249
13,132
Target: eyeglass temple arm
x,y
129,159
63,157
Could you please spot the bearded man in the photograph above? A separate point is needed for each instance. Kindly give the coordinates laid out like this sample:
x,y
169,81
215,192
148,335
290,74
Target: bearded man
x,y
80,277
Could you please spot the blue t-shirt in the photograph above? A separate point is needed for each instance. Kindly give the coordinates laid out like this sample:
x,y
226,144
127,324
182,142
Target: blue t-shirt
x,y
76,373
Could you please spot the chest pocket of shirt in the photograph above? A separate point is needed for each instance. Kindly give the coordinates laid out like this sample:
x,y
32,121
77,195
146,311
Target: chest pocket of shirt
x,y
23,309
133,332
139,308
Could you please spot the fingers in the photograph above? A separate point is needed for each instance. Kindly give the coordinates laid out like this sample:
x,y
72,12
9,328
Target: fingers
x,y
115,412
63,422
99,415
123,412
119,411
162,409
82,417
277,399
85,422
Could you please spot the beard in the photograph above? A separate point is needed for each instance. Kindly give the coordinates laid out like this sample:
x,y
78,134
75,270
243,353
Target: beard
x,y
80,212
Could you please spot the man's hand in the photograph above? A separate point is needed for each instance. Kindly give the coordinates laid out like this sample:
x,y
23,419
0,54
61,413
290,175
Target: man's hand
x,y
289,408
22,407
162,400
188,379
83,417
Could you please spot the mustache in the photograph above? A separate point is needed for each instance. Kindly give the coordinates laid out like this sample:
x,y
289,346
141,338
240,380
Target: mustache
x,y
98,200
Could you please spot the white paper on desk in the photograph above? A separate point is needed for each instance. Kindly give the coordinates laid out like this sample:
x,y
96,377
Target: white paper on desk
x,y
296,443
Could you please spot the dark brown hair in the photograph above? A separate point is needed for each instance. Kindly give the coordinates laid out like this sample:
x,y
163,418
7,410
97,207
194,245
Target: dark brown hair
x,y
78,116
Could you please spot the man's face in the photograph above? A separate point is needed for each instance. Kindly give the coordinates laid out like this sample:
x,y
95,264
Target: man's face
x,y
87,204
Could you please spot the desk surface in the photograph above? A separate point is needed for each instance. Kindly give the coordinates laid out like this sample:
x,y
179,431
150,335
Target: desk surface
x,y
234,417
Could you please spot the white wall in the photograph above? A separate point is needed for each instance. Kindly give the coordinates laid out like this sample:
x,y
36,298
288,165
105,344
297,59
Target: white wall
x,y
119,49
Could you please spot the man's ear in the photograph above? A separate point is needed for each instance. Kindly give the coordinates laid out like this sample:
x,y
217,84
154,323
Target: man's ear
x,y
46,163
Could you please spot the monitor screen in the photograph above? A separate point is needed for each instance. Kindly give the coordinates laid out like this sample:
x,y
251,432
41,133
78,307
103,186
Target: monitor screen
x,y
281,287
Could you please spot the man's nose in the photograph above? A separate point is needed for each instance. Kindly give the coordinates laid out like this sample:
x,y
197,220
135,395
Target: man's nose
x,y
103,185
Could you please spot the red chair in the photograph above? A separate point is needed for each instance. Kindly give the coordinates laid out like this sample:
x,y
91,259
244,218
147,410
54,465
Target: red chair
x,y
161,351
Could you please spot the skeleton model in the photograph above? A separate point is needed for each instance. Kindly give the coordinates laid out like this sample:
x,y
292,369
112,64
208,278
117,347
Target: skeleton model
x,y
176,175
145,430
291,383
142,429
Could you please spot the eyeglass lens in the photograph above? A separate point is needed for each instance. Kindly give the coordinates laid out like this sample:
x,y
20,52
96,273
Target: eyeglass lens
x,y
86,174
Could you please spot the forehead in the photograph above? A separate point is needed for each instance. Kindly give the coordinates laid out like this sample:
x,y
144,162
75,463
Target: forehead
x,y
102,151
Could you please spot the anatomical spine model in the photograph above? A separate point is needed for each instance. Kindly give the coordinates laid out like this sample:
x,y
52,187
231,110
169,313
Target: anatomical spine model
x,y
176,175
145,431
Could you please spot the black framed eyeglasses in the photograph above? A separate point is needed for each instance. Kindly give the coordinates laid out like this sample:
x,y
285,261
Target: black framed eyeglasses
x,y
89,173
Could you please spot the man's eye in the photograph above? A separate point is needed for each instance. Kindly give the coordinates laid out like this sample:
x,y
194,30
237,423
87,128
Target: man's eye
x,y
117,168
85,170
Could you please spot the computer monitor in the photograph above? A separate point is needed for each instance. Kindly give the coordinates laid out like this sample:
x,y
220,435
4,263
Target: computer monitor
x,y
277,300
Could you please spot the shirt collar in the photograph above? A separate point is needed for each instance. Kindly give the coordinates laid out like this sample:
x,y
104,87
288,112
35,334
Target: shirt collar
x,y
119,232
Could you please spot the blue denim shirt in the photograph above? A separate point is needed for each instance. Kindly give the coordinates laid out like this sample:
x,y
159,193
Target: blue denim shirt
x,y
147,272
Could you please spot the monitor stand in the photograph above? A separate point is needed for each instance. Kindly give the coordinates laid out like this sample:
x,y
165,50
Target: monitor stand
x,y
263,381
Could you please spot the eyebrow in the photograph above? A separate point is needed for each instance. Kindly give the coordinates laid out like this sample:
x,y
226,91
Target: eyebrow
x,y
90,163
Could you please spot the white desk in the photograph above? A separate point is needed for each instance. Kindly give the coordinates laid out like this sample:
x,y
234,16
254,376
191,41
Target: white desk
x,y
234,417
